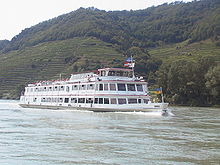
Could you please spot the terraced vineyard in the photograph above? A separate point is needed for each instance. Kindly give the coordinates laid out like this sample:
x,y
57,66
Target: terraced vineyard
x,y
189,51
48,60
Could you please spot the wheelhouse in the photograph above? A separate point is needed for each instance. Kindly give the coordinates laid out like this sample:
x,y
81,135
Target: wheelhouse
x,y
119,72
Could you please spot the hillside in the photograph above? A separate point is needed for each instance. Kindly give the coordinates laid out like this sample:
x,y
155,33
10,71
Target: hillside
x,y
86,39
48,60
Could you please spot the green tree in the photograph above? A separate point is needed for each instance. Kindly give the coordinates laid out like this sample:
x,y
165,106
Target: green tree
x,y
213,84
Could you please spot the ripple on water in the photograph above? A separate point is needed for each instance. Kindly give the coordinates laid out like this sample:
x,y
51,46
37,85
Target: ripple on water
x,y
35,136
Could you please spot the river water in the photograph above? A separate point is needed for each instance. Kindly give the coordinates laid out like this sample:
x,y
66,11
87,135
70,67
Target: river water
x,y
45,137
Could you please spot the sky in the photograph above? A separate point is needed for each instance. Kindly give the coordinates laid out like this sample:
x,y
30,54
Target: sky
x,y
16,15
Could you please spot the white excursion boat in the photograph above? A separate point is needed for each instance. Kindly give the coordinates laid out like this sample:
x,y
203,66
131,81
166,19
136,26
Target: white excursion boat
x,y
106,90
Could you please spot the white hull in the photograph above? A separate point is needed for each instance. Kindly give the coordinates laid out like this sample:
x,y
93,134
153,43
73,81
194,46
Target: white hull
x,y
150,108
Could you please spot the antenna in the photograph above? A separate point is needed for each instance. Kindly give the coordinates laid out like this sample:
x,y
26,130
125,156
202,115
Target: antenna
x,y
60,76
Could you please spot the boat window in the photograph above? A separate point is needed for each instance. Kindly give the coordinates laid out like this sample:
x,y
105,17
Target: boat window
x,y
146,101
103,73
96,101
131,87
105,87
35,99
112,87
82,87
132,101
66,100
67,88
55,88
81,100
113,101
60,100
96,87
73,100
121,87
50,88
111,73
101,87
139,101
75,87
106,100
130,74
122,101
100,100
90,86
139,87
89,100
54,99
119,73
62,88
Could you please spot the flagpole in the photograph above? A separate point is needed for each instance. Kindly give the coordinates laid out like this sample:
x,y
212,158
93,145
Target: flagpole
x,y
162,94
132,65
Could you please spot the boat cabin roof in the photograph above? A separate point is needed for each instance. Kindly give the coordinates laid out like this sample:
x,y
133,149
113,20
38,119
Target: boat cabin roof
x,y
115,69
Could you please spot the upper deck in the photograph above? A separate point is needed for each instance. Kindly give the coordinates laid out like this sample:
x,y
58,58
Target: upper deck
x,y
105,74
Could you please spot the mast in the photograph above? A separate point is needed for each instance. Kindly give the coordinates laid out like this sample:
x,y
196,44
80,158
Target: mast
x,y
132,66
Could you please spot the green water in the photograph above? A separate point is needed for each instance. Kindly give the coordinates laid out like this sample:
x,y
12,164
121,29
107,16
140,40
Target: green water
x,y
45,137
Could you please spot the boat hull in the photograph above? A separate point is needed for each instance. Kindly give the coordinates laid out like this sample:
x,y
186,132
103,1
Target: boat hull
x,y
100,109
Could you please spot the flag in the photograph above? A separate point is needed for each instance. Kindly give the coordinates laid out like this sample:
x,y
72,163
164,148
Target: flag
x,y
156,91
129,62
129,59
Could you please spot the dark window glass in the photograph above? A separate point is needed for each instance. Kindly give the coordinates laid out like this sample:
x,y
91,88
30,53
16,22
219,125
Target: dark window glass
x,y
66,100
131,87
132,101
121,87
146,101
139,87
106,100
100,100
89,100
122,101
101,87
139,101
96,101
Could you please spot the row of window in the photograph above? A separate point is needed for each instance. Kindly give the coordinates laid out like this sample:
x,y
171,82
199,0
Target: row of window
x,y
99,87
95,101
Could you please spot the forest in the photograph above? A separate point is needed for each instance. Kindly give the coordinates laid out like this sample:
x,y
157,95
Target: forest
x,y
176,46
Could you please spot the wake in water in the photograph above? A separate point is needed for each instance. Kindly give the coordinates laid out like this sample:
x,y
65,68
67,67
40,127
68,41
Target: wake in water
x,y
156,114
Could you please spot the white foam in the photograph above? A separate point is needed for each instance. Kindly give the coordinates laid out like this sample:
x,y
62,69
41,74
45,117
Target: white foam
x,y
142,113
